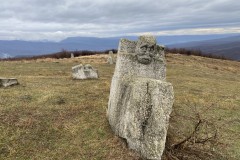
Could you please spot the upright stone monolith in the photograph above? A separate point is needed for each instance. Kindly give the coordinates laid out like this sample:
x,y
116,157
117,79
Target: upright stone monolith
x,y
72,55
110,59
140,99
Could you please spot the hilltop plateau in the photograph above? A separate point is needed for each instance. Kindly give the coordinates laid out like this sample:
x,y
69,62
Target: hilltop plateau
x,y
51,116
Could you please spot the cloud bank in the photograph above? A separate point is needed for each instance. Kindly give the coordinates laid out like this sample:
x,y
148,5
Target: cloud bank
x,y
58,19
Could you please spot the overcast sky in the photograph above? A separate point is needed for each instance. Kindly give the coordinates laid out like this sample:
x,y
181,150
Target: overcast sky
x,y
58,19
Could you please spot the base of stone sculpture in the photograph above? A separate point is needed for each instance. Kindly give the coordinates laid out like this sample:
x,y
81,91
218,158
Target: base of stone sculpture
x,y
5,82
141,114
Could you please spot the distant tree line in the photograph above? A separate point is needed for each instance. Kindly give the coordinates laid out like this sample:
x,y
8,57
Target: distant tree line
x,y
196,52
61,54
67,54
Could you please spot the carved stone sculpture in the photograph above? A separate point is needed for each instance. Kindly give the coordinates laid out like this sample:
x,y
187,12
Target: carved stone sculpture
x,y
140,99
84,72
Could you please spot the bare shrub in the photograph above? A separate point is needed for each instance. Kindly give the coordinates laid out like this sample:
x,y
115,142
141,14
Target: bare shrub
x,y
192,134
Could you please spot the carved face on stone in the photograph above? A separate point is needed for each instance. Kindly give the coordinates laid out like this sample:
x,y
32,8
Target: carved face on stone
x,y
145,49
145,53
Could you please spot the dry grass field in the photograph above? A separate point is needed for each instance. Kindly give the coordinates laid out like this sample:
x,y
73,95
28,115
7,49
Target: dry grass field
x,y
50,116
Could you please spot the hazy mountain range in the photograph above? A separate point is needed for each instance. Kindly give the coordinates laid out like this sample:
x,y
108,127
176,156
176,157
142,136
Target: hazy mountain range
x,y
216,44
228,47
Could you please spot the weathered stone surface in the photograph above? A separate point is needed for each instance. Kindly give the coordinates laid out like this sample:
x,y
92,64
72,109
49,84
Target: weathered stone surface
x,y
5,82
110,59
140,99
143,61
84,72
126,45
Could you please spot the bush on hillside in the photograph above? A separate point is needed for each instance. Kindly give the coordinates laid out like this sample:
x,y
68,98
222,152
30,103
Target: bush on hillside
x,y
192,52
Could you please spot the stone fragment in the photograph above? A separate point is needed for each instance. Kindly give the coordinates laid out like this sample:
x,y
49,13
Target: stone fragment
x,y
5,82
140,99
84,72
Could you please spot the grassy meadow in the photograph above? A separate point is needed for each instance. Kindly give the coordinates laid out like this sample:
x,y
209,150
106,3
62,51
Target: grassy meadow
x,y
51,116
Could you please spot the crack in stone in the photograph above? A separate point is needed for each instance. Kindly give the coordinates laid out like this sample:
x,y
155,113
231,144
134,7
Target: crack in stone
x,y
147,111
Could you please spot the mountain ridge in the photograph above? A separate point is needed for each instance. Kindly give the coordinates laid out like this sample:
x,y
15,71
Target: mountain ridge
x,y
228,47
32,48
